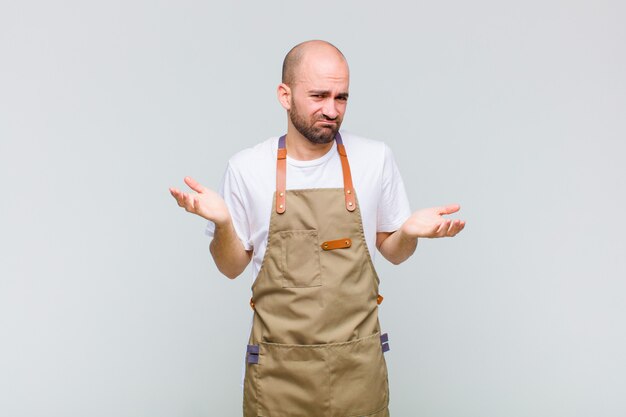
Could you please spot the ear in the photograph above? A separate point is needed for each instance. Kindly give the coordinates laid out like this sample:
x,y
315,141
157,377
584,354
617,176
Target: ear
x,y
284,96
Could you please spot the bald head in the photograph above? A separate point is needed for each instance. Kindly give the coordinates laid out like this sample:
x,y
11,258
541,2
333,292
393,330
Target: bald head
x,y
300,52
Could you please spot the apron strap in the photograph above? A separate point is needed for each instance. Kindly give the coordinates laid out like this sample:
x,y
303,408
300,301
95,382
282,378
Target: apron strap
x,y
348,188
281,175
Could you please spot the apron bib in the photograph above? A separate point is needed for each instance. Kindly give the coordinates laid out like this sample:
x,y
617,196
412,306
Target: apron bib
x,y
315,349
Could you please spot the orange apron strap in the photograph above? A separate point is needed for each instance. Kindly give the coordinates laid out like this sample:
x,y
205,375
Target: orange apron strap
x,y
281,176
348,188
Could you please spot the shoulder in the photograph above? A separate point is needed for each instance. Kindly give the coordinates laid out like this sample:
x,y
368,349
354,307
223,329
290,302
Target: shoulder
x,y
255,157
360,143
359,147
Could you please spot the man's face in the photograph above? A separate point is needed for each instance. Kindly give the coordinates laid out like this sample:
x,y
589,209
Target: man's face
x,y
319,97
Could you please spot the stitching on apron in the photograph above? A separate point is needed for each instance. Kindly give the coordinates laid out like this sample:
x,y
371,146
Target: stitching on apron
x,y
322,346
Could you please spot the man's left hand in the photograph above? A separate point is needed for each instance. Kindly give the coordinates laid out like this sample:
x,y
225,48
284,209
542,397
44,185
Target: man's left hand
x,y
430,223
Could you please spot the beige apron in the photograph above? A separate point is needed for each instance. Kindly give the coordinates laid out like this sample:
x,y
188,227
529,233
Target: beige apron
x,y
315,349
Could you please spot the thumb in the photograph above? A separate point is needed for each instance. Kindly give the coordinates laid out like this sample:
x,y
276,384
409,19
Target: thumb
x,y
194,185
449,209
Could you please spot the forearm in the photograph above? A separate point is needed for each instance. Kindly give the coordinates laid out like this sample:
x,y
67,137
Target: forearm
x,y
228,252
397,247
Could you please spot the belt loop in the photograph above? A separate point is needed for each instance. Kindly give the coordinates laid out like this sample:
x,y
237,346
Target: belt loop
x,y
384,342
252,353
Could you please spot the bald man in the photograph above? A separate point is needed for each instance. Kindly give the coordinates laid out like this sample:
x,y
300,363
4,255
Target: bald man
x,y
316,347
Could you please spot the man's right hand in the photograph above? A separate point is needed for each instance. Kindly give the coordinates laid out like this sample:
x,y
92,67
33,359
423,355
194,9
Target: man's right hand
x,y
204,202
227,250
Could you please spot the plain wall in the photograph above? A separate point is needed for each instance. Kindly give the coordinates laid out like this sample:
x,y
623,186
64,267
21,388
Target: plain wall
x,y
109,302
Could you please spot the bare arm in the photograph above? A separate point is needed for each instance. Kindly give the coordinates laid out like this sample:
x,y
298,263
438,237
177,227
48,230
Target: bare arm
x,y
228,252
398,246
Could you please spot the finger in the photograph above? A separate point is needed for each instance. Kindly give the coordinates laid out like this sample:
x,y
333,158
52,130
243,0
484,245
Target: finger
x,y
449,209
194,185
445,225
188,203
434,230
182,201
443,228
450,230
178,195
454,228
460,226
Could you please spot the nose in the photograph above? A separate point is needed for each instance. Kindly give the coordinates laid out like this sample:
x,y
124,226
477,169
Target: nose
x,y
330,109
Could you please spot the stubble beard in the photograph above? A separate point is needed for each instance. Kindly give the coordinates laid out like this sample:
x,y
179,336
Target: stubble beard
x,y
315,134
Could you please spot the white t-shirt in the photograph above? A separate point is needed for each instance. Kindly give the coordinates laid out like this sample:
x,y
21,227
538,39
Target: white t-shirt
x,y
250,181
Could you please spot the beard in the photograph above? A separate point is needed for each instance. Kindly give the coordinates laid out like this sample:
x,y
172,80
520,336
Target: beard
x,y
315,133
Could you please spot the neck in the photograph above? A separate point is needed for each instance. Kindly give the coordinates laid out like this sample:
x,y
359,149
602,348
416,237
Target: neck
x,y
302,149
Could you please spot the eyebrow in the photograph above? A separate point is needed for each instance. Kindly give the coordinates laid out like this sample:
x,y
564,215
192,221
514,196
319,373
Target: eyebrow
x,y
326,92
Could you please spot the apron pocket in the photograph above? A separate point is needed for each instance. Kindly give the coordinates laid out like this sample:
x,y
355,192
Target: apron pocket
x,y
300,259
358,377
346,379
293,381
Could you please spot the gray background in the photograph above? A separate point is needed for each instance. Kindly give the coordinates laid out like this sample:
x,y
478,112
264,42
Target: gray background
x,y
109,302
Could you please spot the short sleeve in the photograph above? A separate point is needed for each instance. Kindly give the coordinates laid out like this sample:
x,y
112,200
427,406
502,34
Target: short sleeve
x,y
236,202
393,206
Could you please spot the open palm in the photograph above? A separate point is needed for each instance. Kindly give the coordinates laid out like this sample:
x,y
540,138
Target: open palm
x,y
430,222
204,202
